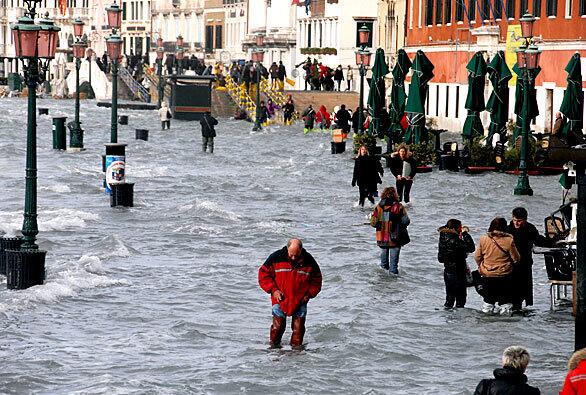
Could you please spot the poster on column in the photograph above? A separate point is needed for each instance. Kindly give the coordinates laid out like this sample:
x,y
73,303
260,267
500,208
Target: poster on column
x,y
115,166
514,41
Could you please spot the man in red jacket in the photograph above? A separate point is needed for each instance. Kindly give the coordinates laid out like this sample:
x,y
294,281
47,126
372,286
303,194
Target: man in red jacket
x,y
292,277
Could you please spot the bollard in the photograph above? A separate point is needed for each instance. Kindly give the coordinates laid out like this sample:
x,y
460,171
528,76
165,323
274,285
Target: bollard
x,y
115,164
141,134
338,148
8,243
59,133
122,195
25,268
123,119
43,111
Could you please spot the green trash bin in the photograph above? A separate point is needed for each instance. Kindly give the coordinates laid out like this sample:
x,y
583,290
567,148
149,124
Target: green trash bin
x,y
59,134
14,82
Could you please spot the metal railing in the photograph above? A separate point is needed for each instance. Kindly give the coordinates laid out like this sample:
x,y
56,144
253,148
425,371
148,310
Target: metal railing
x,y
154,80
138,91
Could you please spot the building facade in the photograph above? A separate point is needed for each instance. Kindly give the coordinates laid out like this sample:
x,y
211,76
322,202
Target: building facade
x,y
329,32
391,27
451,32
136,26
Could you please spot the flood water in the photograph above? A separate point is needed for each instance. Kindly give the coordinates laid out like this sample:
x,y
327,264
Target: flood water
x,y
163,297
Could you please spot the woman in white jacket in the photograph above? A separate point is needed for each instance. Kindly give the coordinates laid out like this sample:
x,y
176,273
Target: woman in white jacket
x,y
165,115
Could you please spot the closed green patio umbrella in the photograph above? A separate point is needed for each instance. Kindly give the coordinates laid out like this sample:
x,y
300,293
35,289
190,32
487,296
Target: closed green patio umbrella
x,y
498,103
573,102
415,108
376,94
398,95
475,99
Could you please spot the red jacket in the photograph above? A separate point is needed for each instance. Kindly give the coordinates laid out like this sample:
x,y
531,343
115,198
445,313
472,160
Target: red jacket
x,y
575,383
293,280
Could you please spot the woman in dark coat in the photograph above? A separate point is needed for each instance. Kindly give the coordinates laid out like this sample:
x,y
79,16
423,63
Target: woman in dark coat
x,y
404,168
367,174
339,76
454,245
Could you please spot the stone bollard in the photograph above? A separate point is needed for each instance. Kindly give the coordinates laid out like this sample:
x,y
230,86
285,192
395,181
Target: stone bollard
x,y
25,268
122,195
8,243
115,164
59,133
123,119
141,134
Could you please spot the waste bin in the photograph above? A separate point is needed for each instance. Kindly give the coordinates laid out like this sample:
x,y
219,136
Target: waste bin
x,y
338,148
123,119
14,82
59,134
122,195
8,243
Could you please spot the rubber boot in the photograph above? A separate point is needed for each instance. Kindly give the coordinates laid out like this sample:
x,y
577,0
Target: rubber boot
x,y
277,330
298,327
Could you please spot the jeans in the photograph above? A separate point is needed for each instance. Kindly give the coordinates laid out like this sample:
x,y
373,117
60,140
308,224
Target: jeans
x,y
165,125
389,259
498,289
207,141
404,189
455,288
300,312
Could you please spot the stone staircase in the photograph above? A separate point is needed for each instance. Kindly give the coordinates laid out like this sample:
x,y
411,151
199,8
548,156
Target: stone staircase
x,y
154,80
138,91
222,104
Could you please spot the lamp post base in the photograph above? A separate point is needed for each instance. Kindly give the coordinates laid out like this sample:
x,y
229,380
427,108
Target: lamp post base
x,y
523,188
8,243
25,268
75,149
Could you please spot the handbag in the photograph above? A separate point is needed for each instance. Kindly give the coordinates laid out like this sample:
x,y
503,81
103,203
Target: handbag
x,y
477,282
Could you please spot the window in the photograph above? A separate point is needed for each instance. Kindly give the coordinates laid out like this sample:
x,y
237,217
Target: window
x,y
309,35
485,10
448,12
459,10
537,8
218,37
123,11
369,26
209,38
428,12
498,9
438,11
510,9
447,101
523,8
551,8
472,10
582,7
457,100
437,89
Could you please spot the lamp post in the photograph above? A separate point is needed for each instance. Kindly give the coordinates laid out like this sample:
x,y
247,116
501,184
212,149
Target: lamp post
x,y
79,47
35,45
160,54
113,47
528,62
362,61
258,56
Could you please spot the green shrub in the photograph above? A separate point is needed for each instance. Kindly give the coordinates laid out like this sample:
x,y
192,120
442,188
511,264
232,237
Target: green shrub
x,y
424,153
363,139
481,155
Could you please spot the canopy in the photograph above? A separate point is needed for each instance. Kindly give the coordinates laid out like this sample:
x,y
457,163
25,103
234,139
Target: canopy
x,y
415,108
398,95
498,103
573,102
376,94
475,99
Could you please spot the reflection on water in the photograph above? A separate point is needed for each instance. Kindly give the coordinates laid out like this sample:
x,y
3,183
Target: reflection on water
x,y
163,297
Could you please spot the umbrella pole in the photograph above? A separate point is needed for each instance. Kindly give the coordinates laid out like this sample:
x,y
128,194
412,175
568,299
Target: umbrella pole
x,y
523,187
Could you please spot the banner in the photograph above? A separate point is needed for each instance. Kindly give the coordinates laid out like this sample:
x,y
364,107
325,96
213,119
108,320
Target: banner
x,y
514,41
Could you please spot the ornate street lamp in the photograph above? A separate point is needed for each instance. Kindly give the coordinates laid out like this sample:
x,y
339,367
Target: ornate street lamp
x,y
258,56
363,62
113,48
160,54
528,61
79,47
33,43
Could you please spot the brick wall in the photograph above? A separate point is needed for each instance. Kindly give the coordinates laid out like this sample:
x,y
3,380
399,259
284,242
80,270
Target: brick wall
x,y
303,99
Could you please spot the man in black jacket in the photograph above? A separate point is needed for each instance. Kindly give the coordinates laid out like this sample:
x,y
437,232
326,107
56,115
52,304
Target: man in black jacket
x,y
510,379
454,245
343,118
208,132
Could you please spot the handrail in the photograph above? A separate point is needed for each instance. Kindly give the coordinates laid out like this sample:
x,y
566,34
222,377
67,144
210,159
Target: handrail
x,y
136,88
154,79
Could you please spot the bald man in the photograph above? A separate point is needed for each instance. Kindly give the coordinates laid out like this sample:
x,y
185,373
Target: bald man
x,y
292,277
